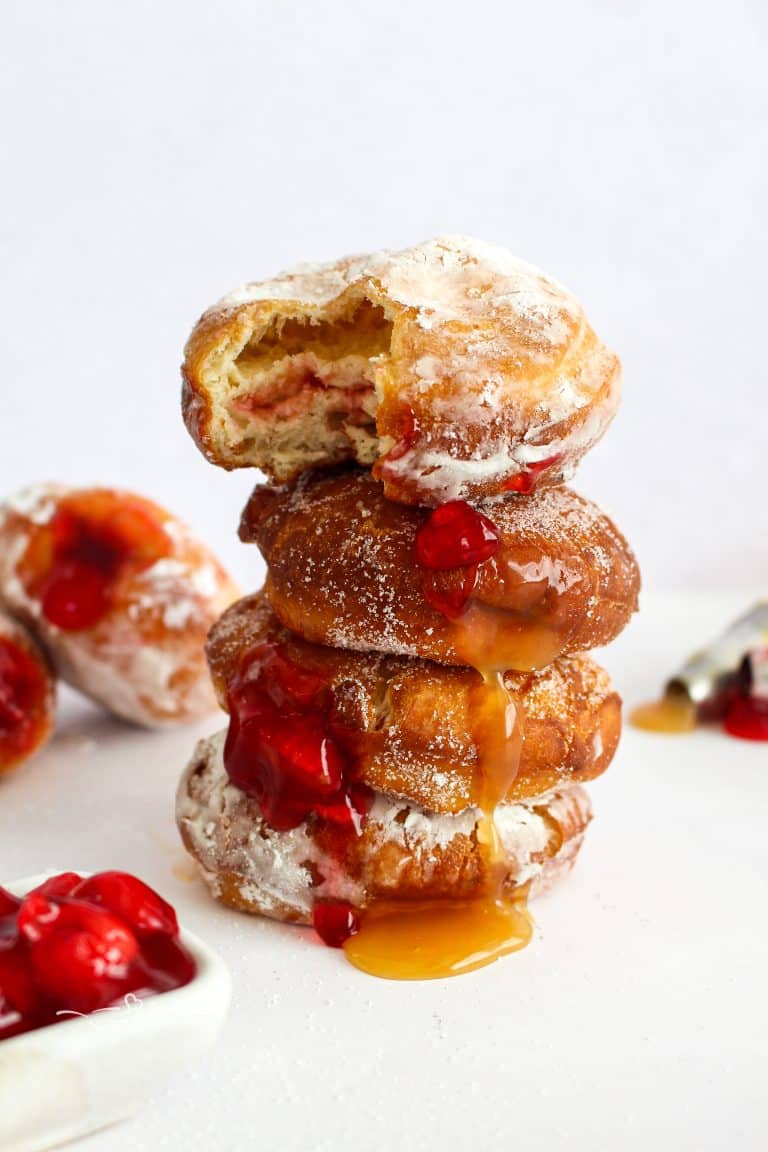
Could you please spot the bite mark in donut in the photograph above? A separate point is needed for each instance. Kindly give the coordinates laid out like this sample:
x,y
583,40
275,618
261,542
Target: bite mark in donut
x,y
453,369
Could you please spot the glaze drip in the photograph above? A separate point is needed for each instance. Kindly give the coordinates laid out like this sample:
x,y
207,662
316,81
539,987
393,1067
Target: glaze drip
x,y
440,938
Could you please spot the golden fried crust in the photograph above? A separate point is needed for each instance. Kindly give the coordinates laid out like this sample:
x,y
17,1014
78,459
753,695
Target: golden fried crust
x,y
342,572
143,660
451,366
403,852
410,721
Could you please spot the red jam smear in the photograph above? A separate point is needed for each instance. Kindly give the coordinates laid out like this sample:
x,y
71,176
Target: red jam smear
x,y
74,946
525,482
23,703
283,748
455,535
93,539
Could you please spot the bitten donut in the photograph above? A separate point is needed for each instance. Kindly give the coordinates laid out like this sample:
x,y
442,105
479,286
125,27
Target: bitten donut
x,y
453,368
119,592
27,695
508,584
401,852
404,726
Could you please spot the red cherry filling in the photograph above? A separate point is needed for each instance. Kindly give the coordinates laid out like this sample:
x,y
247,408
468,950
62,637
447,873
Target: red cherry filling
x,y
456,536
83,958
23,695
283,748
131,899
164,964
73,562
74,946
9,904
527,480
17,984
747,718
37,916
451,600
76,596
62,885
335,921
280,747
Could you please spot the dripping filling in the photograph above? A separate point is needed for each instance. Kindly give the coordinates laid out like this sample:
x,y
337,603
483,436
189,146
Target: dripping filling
x,y
435,939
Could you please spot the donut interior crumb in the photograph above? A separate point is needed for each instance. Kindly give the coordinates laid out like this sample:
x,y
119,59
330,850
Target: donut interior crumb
x,y
301,392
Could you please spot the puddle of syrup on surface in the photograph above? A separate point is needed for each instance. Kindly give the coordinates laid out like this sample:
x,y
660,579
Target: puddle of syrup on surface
x,y
745,717
429,940
432,939
674,713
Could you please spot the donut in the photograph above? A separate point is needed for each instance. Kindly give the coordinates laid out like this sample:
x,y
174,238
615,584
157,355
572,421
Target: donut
x,y
349,568
454,369
27,695
401,851
119,592
405,726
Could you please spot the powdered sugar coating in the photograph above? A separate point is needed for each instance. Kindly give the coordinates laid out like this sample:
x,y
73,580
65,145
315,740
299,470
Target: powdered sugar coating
x,y
144,659
495,359
280,874
342,570
442,280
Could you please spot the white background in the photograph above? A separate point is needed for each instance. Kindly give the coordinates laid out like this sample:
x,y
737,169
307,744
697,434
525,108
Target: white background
x,y
156,154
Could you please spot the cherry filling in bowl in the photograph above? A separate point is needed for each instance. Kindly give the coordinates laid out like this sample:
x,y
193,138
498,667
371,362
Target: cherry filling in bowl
x,y
77,945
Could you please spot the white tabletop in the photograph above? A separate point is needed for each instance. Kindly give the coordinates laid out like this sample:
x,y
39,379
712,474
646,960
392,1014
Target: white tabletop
x,y
636,1018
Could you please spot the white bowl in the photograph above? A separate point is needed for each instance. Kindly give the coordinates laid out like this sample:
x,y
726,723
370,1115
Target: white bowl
x,y
69,1079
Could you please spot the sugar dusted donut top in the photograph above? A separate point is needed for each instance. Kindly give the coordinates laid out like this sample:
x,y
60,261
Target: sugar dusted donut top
x,y
343,571
455,369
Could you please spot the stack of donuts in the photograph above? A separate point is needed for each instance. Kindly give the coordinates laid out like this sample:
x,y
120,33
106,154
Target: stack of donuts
x,y
411,711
